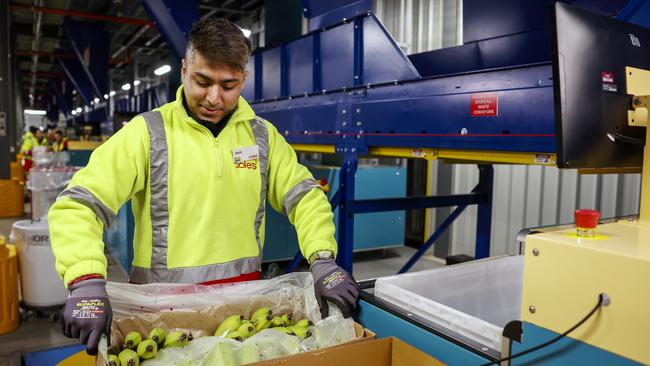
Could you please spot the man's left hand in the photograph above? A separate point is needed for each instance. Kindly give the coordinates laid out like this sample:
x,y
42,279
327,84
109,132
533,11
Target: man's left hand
x,y
333,283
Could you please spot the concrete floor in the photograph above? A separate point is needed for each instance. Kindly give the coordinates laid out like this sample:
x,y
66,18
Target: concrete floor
x,y
41,333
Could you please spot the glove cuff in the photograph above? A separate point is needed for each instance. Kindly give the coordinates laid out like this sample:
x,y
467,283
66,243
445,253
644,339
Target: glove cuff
x,y
89,288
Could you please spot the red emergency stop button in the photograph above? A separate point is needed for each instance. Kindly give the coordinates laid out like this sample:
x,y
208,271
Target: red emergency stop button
x,y
587,219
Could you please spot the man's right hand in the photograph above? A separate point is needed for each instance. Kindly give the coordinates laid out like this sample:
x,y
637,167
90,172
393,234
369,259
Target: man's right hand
x,y
87,313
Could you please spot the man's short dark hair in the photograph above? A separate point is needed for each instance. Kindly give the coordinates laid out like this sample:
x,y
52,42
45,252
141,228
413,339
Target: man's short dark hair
x,y
32,129
220,42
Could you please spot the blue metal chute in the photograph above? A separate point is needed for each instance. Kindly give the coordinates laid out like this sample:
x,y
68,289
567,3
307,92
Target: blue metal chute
x,y
356,52
431,112
174,19
637,12
88,40
74,70
60,98
323,14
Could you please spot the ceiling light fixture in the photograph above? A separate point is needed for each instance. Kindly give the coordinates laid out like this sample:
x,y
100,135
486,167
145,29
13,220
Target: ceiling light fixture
x,y
162,70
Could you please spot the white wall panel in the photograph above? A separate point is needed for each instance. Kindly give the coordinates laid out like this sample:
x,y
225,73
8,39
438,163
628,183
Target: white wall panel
x,y
530,196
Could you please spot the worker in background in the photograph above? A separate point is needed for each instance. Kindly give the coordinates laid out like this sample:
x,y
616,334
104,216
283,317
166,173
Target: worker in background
x,y
31,139
86,133
50,137
199,171
60,142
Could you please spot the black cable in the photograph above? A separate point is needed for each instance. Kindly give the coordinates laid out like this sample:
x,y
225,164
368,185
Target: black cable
x,y
601,299
619,137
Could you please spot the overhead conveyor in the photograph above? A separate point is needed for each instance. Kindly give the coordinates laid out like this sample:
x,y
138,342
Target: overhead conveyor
x,y
347,88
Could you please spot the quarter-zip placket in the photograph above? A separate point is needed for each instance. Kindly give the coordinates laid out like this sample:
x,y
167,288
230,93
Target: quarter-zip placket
x,y
217,156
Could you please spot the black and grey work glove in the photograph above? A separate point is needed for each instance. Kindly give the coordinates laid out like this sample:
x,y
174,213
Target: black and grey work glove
x,y
333,283
87,313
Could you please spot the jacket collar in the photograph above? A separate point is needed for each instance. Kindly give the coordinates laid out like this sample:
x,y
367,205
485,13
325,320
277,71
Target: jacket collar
x,y
242,113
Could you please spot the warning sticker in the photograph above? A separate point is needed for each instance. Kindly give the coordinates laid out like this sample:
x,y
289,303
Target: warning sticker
x,y
418,153
543,159
607,77
609,82
484,105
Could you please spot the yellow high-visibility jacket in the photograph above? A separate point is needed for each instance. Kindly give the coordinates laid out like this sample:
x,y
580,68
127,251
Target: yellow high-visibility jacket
x,y
198,201
29,142
61,146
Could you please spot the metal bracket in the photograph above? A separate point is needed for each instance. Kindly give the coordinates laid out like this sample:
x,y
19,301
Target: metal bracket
x,y
3,124
638,85
638,117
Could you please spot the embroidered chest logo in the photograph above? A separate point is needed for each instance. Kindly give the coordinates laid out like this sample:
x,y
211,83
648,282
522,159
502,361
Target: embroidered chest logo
x,y
252,165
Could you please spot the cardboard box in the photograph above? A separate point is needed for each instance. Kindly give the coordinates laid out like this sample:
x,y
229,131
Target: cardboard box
x,y
361,333
381,352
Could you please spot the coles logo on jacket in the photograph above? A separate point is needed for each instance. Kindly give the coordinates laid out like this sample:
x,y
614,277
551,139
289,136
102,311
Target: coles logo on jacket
x,y
252,165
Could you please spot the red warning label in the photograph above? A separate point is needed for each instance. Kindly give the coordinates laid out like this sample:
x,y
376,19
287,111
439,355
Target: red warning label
x,y
484,104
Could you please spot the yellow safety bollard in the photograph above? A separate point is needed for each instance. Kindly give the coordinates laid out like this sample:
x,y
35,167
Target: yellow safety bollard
x,y
9,316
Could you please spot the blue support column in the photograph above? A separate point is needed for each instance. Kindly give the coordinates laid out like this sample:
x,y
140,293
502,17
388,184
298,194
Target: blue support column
x,y
61,100
89,42
346,213
174,19
439,231
484,216
75,73
358,52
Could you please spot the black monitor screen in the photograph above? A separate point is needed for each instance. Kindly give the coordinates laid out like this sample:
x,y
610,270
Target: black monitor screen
x,y
590,53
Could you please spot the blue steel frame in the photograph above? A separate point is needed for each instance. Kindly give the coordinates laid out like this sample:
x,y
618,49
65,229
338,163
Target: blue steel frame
x,y
348,85
481,195
174,20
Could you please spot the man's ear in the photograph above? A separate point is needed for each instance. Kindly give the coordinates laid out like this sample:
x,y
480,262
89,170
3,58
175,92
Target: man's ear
x,y
246,73
183,68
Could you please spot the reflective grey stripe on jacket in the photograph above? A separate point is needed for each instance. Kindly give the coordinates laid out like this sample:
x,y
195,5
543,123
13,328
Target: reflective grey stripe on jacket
x,y
261,134
159,209
158,167
296,193
197,274
85,197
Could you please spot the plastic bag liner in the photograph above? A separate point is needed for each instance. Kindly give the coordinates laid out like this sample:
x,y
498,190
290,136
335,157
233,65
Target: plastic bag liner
x,y
45,179
46,184
265,345
200,309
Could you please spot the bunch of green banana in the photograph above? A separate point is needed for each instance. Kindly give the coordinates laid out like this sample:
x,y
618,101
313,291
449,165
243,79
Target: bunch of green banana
x,y
230,324
158,336
132,340
128,357
147,349
284,330
177,339
304,323
261,312
300,332
236,335
262,322
246,329
277,322
287,319
113,360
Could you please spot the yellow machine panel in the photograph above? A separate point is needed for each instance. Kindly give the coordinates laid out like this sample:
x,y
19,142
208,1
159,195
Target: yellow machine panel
x,y
564,274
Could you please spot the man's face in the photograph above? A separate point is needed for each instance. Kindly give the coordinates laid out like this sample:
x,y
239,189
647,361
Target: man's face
x,y
211,91
58,137
39,134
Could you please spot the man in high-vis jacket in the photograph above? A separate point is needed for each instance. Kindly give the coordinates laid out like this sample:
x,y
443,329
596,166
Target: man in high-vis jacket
x,y
33,138
199,171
